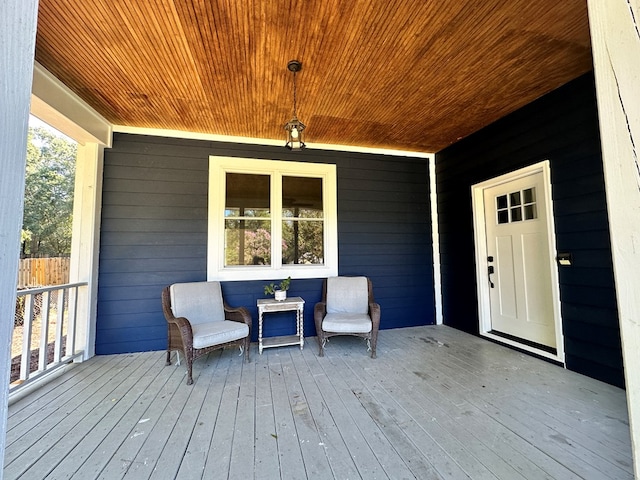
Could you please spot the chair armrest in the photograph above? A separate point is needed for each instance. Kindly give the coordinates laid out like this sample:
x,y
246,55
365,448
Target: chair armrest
x,y
181,322
374,313
186,332
237,314
183,325
319,312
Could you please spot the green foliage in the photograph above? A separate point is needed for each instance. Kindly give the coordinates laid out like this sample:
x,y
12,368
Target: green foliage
x,y
48,198
303,242
272,287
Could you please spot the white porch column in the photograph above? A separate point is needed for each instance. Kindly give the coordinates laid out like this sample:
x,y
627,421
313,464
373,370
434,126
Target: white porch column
x,y
18,19
615,38
53,102
85,240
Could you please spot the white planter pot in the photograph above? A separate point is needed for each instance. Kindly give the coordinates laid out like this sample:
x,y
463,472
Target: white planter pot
x,y
280,295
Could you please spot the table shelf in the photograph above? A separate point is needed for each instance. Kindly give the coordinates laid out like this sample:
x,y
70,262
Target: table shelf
x,y
281,341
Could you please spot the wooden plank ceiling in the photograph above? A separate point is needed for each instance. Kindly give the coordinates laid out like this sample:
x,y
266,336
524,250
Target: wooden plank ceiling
x,y
403,74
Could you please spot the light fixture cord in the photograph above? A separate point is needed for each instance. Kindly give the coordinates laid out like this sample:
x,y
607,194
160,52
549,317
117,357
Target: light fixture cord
x,y
294,95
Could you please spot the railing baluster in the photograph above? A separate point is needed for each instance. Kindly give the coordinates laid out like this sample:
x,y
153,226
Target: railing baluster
x,y
71,326
44,331
57,355
27,327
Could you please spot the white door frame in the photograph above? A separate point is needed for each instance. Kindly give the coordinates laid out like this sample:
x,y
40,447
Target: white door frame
x,y
482,277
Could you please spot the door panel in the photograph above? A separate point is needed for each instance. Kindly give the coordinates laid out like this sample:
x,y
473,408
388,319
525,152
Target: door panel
x,y
521,301
536,287
505,281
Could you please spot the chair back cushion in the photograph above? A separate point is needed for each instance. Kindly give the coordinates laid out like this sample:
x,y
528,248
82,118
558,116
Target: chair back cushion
x,y
198,302
347,295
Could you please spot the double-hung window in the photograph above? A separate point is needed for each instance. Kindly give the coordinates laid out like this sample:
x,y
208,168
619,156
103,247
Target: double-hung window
x,y
271,219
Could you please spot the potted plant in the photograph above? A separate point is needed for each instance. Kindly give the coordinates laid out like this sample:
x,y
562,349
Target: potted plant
x,y
279,291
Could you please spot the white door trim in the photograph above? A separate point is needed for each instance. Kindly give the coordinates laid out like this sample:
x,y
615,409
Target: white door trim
x,y
482,278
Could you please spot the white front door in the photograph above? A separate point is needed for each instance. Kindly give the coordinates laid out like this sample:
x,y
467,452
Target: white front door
x,y
517,261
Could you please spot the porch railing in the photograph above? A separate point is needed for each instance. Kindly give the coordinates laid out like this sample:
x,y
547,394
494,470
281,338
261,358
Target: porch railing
x,y
44,332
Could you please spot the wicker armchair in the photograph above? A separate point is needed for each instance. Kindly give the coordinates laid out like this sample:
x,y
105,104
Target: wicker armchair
x,y
347,308
200,321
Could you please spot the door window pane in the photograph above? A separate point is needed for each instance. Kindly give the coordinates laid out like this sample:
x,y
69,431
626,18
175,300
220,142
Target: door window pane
x,y
502,209
517,206
530,212
530,209
529,195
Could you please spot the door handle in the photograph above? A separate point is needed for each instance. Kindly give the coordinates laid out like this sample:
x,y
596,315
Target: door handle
x,y
491,270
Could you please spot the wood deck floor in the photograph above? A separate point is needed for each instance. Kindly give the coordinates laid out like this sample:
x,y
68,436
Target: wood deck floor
x,y
436,403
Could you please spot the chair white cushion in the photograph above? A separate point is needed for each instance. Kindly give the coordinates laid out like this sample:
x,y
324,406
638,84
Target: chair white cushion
x,y
347,295
346,323
198,302
215,333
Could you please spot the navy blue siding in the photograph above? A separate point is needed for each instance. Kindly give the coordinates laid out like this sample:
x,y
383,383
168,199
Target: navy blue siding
x,y
563,128
154,233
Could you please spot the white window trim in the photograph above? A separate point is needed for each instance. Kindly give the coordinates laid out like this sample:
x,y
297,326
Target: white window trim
x,y
218,167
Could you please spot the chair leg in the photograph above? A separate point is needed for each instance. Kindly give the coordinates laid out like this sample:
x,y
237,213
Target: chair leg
x,y
374,343
189,370
321,341
247,344
168,358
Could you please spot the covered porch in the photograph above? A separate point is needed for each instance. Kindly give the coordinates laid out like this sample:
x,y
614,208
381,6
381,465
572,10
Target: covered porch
x,y
436,403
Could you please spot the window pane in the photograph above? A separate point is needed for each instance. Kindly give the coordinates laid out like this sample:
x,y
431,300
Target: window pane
x,y
501,201
303,242
302,197
247,242
514,199
302,213
247,213
247,195
503,216
248,235
516,214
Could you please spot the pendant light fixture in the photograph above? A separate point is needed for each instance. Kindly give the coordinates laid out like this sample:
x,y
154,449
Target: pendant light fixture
x,y
294,127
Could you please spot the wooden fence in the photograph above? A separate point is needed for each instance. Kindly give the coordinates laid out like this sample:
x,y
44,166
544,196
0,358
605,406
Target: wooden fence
x,y
37,272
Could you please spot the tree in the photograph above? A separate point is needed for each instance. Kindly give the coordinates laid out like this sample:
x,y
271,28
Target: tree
x,y
48,198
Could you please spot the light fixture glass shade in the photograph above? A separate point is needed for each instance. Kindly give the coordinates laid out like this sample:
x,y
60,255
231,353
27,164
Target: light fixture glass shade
x,y
294,128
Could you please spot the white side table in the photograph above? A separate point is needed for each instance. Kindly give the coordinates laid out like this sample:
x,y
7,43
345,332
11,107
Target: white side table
x,y
267,305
